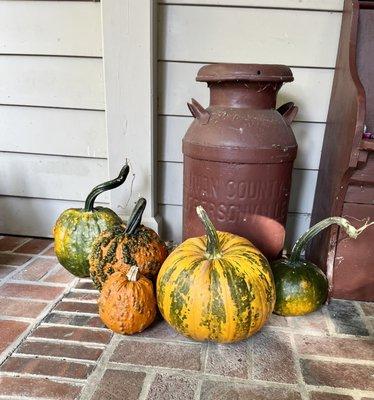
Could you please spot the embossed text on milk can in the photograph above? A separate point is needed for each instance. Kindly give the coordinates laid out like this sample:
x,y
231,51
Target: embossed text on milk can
x,y
239,153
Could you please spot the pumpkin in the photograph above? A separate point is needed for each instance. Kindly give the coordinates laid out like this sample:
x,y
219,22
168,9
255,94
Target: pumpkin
x,y
131,245
127,303
76,228
215,287
302,287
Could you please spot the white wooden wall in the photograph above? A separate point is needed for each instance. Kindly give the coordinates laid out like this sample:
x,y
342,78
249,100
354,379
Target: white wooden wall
x,y
53,144
303,34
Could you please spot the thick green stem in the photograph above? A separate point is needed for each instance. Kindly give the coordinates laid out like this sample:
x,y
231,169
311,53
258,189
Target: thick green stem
x,y
213,247
103,187
136,216
300,244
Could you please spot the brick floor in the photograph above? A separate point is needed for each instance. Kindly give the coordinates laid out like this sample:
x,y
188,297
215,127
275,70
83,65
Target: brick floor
x,y
53,345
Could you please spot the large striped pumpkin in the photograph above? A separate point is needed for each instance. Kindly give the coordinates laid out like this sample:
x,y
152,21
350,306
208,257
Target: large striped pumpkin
x,y
216,287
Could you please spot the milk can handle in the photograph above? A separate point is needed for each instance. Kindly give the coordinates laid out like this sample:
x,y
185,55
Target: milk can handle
x,y
198,111
288,112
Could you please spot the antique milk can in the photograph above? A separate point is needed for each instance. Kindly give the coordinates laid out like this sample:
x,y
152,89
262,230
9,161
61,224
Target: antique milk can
x,y
239,153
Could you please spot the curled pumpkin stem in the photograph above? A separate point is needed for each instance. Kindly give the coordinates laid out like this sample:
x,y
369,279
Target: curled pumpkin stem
x,y
350,230
136,216
103,187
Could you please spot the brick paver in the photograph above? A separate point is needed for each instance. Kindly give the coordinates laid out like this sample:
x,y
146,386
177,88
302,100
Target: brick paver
x,y
69,354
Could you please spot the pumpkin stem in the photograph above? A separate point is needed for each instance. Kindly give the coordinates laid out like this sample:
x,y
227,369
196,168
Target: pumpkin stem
x,y
136,216
213,247
103,187
351,231
133,273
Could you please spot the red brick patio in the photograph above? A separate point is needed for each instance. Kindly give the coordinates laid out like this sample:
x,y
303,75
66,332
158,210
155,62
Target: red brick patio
x,y
53,346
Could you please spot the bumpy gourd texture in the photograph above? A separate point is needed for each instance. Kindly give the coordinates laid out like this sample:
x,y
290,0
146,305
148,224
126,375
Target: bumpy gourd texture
x,y
74,233
226,299
301,288
127,307
114,248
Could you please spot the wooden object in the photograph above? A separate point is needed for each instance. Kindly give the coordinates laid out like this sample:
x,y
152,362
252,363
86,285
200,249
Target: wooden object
x,y
345,184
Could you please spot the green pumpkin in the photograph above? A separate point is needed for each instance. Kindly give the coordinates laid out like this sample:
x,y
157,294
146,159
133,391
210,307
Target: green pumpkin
x,y
76,228
301,287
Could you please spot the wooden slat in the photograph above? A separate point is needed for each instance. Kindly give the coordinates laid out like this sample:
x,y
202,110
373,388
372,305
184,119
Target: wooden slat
x,y
45,131
51,176
171,130
171,187
220,34
50,28
172,224
310,91
336,5
52,81
33,217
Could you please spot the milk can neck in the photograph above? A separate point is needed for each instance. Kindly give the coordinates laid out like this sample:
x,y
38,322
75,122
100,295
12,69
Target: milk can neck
x,y
244,94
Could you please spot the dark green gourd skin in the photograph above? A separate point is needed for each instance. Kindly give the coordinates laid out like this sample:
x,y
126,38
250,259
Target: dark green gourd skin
x,y
76,228
75,231
301,287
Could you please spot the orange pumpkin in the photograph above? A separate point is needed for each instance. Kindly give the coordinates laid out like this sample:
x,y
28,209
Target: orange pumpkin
x,y
127,303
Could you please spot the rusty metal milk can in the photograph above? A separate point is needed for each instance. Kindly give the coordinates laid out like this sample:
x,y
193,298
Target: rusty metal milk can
x,y
239,153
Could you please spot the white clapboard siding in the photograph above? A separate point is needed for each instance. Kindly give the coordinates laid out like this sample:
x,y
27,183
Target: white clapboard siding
x,y
32,217
52,81
248,35
310,91
53,131
53,28
171,215
336,5
55,177
302,192
171,130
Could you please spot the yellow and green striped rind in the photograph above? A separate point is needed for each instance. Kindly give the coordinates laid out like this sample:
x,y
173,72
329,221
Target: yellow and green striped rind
x,y
74,232
225,299
301,287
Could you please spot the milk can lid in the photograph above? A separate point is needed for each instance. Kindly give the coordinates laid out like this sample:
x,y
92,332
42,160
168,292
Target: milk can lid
x,y
246,72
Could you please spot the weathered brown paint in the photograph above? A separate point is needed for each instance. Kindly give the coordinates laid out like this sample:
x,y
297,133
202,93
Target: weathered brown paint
x,y
345,183
239,153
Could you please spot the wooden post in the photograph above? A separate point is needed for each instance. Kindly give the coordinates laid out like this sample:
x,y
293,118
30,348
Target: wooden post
x,y
129,71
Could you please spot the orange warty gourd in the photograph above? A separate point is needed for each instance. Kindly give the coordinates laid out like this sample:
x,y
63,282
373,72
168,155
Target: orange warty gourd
x,y
216,287
127,302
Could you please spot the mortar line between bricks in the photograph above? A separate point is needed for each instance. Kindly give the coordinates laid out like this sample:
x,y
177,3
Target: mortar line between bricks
x,y
80,301
197,395
60,379
334,390
87,328
37,283
24,298
40,254
20,319
27,240
339,360
159,340
148,380
18,268
329,322
301,384
14,345
101,366
197,375
75,313
368,326
51,272
54,358
62,341
75,290
300,331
